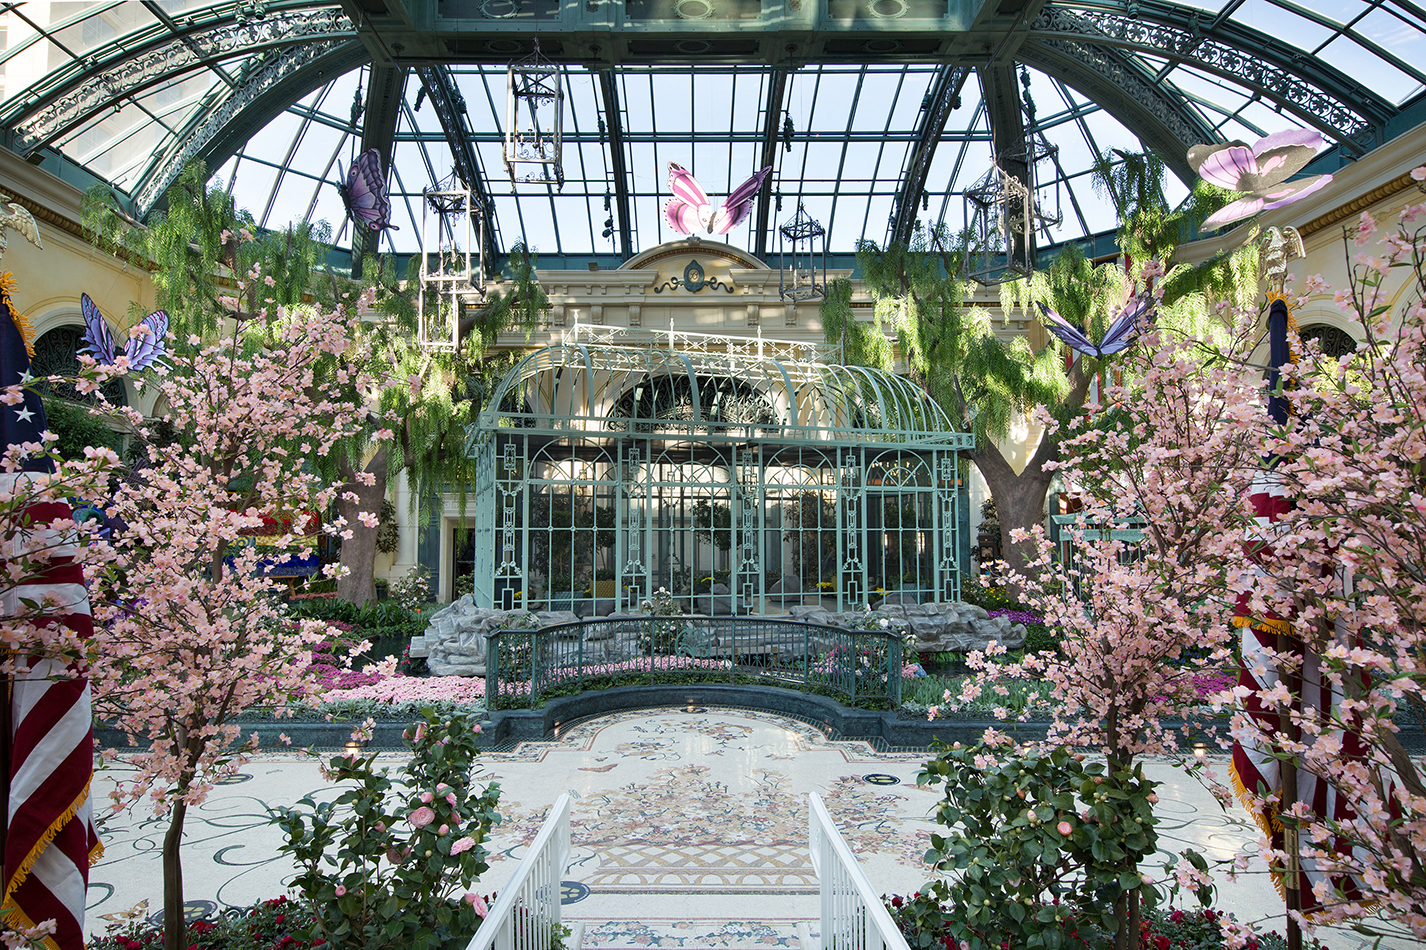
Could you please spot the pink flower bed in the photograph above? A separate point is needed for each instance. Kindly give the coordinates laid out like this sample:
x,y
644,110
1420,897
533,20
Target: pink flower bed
x,y
400,689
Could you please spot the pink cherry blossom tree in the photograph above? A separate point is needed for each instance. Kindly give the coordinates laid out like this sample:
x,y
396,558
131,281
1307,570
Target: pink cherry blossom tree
x,y
1141,623
1350,572
188,632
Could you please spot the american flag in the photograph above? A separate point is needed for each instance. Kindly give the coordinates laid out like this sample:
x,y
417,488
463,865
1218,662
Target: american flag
x,y
1254,766
50,838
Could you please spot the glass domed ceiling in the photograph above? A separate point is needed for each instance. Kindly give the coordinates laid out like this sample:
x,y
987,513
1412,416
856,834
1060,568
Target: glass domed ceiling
x,y
882,121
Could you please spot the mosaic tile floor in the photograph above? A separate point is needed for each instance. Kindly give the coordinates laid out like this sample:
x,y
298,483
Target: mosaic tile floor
x,y
689,827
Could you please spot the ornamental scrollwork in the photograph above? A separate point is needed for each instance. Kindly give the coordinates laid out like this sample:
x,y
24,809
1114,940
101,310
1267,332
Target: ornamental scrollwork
x,y
1134,86
277,68
1245,66
180,54
694,279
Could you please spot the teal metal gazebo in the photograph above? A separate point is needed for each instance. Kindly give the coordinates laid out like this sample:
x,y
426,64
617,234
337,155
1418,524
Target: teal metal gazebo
x,y
621,461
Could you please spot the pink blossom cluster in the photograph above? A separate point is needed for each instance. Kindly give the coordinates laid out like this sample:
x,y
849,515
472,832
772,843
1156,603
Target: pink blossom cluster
x,y
1347,566
208,637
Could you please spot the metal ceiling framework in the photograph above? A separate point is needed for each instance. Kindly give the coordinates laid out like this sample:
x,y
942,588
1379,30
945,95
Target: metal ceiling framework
x,y
199,79
450,108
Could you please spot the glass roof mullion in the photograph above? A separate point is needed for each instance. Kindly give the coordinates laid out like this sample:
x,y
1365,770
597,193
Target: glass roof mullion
x,y
495,118
881,149
806,148
658,165
583,168
297,138
1341,30
846,135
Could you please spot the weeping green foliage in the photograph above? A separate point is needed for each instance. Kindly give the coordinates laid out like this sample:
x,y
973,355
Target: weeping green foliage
x,y
192,246
1081,292
863,344
984,385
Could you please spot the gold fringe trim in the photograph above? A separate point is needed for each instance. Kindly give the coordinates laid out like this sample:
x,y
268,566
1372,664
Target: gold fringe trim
x,y
1267,625
23,871
14,915
22,322
1268,824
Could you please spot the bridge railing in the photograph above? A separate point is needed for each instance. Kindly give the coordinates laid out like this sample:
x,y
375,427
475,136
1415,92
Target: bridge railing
x,y
859,667
853,916
527,911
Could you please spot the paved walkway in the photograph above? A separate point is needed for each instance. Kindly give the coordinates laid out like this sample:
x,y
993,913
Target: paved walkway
x,y
689,827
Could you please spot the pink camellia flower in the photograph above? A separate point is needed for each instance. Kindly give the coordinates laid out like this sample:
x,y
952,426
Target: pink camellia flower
x,y
1065,828
381,826
427,798
443,830
341,891
420,731
478,903
422,817
451,798
462,845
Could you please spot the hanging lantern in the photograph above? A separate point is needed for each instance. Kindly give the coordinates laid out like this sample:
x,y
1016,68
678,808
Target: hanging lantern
x,y
452,263
534,119
802,257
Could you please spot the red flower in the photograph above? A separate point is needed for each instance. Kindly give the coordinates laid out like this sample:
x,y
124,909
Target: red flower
x,y
1176,916
1163,943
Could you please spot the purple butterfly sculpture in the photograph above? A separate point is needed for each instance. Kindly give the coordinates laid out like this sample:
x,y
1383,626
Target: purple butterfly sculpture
x,y
688,211
1261,170
146,341
364,193
1119,335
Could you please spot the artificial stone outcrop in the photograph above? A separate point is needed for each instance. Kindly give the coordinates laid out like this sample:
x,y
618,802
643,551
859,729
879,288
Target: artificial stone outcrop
x,y
454,641
938,628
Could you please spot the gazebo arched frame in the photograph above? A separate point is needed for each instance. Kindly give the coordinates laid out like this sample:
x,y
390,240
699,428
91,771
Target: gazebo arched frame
x,y
620,461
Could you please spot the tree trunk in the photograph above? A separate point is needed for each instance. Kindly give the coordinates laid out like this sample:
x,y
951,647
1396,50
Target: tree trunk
x,y
1019,499
175,927
358,584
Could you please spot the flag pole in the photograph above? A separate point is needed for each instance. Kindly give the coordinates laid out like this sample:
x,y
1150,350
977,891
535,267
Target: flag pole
x,y
1277,247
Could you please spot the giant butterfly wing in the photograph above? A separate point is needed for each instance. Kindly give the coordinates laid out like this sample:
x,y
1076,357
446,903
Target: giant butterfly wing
x,y
100,342
1233,211
1067,332
738,203
685,211
147,341
1122,328
364,193
1226,165
1286,194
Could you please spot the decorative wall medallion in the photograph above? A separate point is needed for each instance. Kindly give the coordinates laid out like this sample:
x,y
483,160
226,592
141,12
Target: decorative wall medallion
x,y
694,280
880,778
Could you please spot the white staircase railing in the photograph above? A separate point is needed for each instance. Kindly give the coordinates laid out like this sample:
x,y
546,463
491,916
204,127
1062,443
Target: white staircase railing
x,y
853,916
527,910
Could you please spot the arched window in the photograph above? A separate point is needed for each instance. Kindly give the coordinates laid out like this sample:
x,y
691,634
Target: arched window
x,y
1335,342
57,354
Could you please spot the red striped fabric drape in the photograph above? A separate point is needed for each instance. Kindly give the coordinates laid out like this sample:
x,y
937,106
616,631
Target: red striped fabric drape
x,y
50,838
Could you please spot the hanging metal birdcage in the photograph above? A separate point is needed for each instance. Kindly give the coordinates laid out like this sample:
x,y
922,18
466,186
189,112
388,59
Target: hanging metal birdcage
x,y
1006,213
534,120
802,257
452,263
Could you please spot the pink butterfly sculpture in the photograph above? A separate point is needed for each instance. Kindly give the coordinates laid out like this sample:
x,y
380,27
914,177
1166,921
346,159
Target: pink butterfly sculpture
x,y
688,211
1261,170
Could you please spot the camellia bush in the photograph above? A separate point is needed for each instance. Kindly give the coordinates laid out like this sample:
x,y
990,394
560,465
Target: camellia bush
x,y
389,864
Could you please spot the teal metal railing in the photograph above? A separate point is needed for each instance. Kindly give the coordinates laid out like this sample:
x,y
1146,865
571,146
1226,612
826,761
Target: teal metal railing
x,y
525,667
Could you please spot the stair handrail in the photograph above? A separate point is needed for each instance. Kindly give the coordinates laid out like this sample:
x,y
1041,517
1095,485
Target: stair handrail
x,y
853,916
527,910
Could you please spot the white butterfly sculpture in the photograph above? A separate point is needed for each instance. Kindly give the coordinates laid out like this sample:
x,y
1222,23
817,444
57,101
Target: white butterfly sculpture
x,y
688,211
1119,334
1260,170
